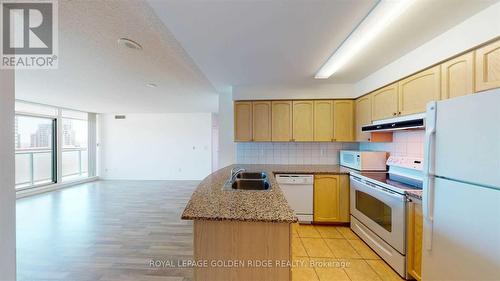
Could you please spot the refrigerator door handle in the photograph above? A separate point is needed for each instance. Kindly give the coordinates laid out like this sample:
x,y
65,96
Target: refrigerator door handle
x,y
428,202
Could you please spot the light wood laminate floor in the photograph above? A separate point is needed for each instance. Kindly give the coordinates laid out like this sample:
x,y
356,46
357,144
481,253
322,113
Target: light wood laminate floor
x,y
105,231
111,230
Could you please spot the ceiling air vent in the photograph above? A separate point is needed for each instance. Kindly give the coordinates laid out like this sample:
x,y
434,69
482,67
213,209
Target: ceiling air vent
x,y
120,117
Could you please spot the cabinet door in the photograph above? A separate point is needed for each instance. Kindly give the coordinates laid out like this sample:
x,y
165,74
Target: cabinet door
x,y
261,120
419,89
303,120
281,121
457,76
243,121
331,198
385,102
323,120
488,67
363,116
343,124
414,238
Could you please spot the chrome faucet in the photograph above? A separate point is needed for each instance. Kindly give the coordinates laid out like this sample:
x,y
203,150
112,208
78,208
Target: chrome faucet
x,y
234,173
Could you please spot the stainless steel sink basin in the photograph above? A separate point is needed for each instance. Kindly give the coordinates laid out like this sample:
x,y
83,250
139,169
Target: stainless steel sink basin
x,y
252,175
250,184
242,180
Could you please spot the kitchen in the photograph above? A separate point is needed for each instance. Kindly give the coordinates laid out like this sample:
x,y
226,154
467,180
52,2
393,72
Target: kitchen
x,y
251,140
393,200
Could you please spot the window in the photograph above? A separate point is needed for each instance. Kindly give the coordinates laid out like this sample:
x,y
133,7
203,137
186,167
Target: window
x,y
51,145
74,149
34,143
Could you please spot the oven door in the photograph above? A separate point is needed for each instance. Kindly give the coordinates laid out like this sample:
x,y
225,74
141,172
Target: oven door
x,y
381,210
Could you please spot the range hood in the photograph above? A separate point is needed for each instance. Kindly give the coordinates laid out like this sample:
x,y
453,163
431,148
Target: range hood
x,y
409,122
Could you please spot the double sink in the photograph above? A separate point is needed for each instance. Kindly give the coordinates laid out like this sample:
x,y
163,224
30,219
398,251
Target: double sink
x,y
242,180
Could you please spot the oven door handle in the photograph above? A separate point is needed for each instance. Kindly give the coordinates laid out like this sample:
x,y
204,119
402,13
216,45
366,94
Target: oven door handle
x,y
387,192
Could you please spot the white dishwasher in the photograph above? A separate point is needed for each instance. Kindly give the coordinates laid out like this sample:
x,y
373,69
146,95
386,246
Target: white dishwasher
x,y
298,191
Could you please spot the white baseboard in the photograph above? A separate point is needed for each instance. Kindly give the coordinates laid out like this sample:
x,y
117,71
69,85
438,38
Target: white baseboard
x,y
52,187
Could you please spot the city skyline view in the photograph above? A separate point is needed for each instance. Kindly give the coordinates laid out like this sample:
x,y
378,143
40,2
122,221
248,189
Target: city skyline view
x,y
36,132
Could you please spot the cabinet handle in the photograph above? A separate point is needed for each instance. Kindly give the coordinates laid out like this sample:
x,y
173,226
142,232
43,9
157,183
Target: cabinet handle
x,y
394,114
399,113
369,139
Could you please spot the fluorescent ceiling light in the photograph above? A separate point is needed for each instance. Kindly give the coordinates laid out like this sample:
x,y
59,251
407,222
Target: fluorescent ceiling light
x,y
377,20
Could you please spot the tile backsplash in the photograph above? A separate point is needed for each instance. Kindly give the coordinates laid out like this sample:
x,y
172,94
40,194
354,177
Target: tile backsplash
x,y
291,153
404,143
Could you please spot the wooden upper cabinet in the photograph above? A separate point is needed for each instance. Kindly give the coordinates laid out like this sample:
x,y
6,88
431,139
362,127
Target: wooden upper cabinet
x,y
331,198
363,116
323,120
488,67
419,89
261,120
457,76
343,124
385,102
281,120
303,120
243,121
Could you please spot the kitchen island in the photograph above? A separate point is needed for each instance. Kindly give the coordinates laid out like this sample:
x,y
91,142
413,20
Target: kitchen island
x,y
243,234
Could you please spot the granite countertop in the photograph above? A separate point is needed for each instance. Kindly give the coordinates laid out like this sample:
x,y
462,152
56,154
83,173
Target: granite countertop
x,y
417,194
210,202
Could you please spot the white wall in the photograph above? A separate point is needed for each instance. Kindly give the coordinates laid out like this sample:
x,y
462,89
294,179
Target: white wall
x,y
317,90
227,147
172,146
474,31
7,191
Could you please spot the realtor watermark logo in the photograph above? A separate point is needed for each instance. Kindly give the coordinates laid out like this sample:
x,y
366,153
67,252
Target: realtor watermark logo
x,y
29,34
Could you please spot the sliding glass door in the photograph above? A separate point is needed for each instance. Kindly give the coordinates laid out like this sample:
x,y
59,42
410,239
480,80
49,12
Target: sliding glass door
x,y
35,151
52,145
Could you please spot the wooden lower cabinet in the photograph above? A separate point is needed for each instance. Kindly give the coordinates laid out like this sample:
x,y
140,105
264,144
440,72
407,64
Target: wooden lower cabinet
x,y
331,198
221,242
414,236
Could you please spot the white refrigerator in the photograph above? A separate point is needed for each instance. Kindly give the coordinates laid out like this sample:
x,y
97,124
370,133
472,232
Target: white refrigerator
x,y
461,196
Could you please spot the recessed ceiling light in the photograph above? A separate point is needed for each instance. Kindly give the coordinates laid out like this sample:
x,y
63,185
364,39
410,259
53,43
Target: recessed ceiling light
x,y
379,18
151,85
128,43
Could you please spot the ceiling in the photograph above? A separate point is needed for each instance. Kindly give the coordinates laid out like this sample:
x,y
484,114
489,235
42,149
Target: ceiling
x,y
238,42
242,43
97,75
193,49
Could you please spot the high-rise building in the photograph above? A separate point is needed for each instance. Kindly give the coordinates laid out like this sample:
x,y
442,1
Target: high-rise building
x,y
42,137
68,134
